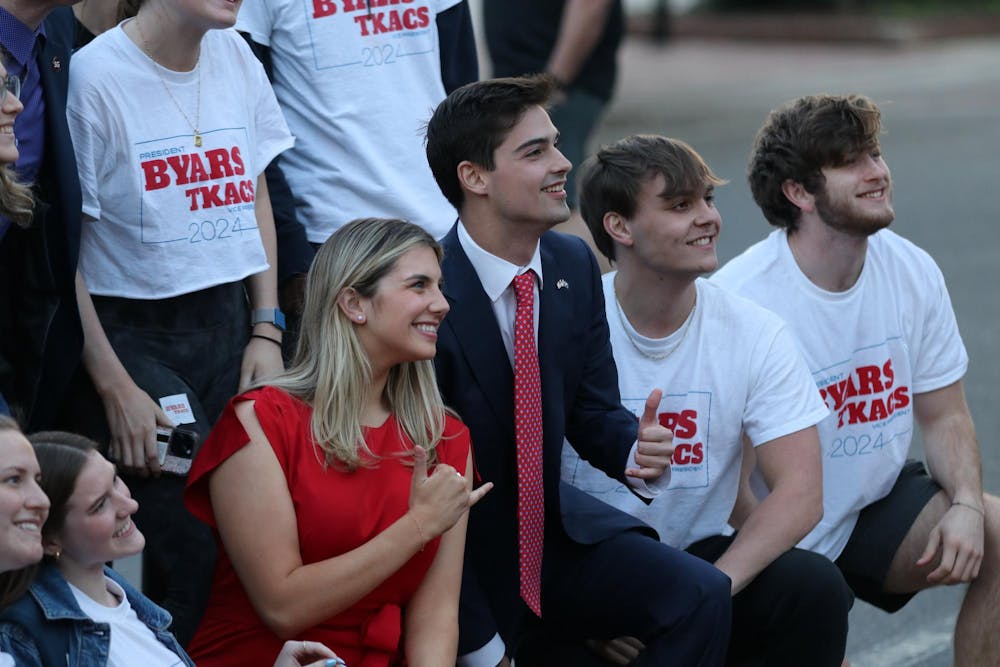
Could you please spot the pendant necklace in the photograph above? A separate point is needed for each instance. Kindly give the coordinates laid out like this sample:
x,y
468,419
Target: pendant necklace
x,y
197,109
627,328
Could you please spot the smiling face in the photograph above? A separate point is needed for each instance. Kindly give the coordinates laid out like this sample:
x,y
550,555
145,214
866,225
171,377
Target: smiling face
x,y
675,233
401,319
23,505
9,109
98,526
528,181
857,197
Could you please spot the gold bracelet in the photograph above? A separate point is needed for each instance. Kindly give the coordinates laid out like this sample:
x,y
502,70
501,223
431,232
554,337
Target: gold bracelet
x,y
971,507
423,541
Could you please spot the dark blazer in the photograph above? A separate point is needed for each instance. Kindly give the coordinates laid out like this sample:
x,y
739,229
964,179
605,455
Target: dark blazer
x,y
41,336
580,401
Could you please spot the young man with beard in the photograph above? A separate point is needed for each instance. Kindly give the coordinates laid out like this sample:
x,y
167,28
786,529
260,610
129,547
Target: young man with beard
x,y
524,358
732,373
872,315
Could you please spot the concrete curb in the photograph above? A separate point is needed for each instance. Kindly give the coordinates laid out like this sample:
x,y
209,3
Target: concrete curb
x,y
842,28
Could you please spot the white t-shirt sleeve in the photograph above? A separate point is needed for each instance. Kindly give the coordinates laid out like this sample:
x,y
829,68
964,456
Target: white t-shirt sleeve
x,y
941,359
782,397
256,19
270,129
89,144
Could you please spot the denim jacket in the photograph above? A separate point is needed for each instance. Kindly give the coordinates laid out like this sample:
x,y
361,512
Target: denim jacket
x,y
47,628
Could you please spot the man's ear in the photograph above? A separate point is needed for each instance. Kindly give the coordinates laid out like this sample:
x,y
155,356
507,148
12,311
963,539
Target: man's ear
x,y
352,305
796,193
617,228
472,177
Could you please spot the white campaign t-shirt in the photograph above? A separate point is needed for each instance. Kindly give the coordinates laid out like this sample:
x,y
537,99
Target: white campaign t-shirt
x,y
733,369
132,642
357,81
163,217
870,349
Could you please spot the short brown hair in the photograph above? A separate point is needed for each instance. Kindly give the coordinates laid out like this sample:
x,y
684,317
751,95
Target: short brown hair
x,y
802,137
61,457
610,180
472,122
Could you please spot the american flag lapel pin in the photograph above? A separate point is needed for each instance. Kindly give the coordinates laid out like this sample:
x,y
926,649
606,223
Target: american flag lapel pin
x,y
561,284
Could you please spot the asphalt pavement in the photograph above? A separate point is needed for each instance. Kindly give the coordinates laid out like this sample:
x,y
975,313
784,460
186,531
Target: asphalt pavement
x,y
941,111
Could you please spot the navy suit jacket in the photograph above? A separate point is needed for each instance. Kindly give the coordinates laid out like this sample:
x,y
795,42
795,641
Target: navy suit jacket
x,y
42,337
580,401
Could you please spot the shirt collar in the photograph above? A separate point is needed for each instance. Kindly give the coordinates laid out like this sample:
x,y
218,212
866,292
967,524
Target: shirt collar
x,y
17,38
494,272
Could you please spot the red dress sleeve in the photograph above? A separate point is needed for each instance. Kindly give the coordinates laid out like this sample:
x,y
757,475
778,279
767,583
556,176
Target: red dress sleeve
x,y
274,409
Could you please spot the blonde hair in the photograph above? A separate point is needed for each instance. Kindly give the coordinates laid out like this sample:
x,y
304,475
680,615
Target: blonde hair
x,y
331,370
16,200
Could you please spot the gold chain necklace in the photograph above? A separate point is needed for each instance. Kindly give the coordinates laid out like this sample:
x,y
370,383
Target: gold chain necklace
x,y
626,328
197,110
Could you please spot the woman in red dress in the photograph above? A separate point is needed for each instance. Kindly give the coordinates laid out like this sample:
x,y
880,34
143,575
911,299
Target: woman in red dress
x,y
336,491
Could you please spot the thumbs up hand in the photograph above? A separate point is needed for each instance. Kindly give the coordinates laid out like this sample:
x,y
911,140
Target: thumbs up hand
x,y
655,444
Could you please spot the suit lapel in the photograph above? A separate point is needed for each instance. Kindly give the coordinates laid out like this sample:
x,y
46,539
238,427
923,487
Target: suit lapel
x,y
474,328
58,176
53,68
554,318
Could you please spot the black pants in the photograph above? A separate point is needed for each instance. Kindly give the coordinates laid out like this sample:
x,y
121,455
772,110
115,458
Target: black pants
x,y
793,614
190,344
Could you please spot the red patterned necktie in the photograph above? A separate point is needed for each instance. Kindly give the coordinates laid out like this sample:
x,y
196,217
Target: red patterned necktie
x,y
528,428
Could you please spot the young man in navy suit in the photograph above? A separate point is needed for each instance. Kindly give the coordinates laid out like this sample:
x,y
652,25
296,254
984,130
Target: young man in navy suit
x,y
527,303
